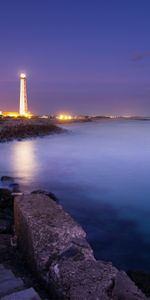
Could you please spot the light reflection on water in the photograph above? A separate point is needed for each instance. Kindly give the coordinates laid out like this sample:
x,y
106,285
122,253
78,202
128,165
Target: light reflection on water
x,y
100,172
24,162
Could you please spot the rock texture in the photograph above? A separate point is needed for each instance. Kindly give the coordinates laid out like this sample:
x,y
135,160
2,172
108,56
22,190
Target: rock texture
x,y
55,246
49,194
26,129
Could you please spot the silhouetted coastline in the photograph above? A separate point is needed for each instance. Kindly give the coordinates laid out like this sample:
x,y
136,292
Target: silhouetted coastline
x,y
25,128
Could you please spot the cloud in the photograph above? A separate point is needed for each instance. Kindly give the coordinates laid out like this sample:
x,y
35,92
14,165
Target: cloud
x,y
140,56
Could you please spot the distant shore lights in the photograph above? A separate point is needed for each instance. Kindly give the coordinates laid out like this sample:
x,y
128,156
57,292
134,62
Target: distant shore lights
x,y
64,117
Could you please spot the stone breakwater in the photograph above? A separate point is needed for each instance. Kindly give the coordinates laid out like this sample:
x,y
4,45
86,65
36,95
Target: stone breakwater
x,y
56,249
27,131
21,129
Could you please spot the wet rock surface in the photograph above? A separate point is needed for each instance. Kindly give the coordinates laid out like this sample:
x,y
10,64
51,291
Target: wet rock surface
x,y
56,247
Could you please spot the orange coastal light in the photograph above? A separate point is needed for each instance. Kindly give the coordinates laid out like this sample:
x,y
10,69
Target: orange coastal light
x,y
64,117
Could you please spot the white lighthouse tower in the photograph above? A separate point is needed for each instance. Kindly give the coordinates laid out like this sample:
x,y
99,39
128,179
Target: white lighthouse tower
x,y
23,110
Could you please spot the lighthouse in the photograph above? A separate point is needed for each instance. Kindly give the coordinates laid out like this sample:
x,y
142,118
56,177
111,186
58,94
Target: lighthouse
x,y
23,109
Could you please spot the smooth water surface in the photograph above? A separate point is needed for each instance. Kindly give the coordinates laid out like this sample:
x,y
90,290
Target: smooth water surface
x,y
100,171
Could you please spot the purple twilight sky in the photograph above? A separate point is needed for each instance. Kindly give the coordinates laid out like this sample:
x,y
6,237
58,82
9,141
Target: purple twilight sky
x,y
80,56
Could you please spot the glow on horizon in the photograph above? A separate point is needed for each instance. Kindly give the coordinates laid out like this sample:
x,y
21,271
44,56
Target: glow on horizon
x,y
64,117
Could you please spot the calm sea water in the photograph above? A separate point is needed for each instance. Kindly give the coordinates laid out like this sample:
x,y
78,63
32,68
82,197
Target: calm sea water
x,y
101,174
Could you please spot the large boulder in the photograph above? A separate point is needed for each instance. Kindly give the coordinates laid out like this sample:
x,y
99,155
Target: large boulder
x,y
77,278
56,249
53,230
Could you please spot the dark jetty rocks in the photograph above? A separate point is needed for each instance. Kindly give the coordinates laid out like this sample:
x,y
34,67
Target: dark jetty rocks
x,y
71,259
9,189
22,131
6,211
56,249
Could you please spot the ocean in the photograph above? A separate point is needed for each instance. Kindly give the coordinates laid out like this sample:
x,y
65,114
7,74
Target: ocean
x,y
100,172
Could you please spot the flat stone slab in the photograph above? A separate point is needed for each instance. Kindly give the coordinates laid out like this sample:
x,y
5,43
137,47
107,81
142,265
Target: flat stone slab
x,y
28,294
52,230
11,285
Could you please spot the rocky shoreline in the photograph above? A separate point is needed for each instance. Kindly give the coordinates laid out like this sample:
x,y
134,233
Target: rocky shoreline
x,y
10,256
8,191
23,128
